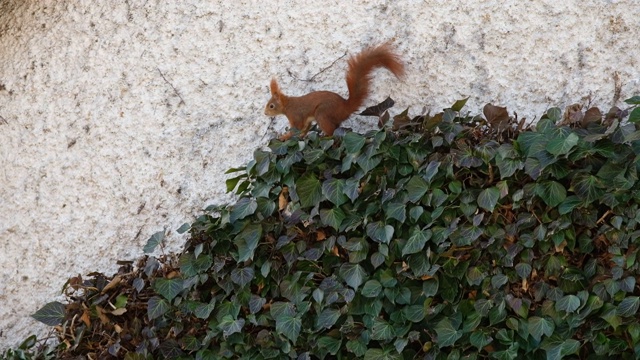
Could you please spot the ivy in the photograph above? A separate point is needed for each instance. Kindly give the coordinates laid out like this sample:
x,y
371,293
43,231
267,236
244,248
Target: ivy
x,y
448,236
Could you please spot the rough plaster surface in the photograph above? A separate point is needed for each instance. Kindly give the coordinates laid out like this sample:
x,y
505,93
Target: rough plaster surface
x,y
119,118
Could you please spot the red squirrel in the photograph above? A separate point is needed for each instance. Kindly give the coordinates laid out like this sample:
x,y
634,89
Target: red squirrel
x,y
327,108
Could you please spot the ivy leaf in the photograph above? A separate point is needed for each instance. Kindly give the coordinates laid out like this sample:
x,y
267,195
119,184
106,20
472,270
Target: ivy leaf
x,y
353,274
628,306
51,314
488,198
380,232
562,145
379,354
334,191
155,240
634,116
588,187
382,330
289,326
168,288
332,217
353,142
634,100
416,241
447,334
416,188
395,210
414,313
309,190
327,318
551,192
230,326
242,276
184,228
372,288
539,326
203,311
244,207
156,307
247,241
568,204
568,303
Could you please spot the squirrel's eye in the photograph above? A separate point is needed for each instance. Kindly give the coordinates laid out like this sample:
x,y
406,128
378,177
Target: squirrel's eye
x,y
271,106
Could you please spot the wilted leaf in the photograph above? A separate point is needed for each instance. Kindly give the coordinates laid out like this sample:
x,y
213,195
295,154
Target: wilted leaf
x,y
378,109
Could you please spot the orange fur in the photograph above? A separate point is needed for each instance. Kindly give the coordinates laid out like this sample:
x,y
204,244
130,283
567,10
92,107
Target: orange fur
x,y
327,108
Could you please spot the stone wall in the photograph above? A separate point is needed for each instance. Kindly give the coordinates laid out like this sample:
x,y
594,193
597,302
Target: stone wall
x,y
119,118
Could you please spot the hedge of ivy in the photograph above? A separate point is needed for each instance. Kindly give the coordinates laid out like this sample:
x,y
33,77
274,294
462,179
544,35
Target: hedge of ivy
x,y
448,237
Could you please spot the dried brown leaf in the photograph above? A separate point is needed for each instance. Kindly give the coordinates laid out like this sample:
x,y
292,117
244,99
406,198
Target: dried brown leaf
x,y
112,284
592,116
497,116
572,115
378,110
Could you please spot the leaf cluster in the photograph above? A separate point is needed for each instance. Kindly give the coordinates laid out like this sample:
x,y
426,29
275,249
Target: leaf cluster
x,y
447,237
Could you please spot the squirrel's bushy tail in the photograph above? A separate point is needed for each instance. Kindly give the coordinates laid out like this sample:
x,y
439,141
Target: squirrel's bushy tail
x,y
360,68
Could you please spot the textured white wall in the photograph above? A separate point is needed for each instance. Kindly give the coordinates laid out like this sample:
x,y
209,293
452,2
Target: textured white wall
x,y
119,118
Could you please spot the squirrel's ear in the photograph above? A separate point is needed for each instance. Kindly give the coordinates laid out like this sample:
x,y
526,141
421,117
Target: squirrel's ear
x,y
274,86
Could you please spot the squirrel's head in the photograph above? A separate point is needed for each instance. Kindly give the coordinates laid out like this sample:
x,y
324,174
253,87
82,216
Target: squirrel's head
x,y
275,105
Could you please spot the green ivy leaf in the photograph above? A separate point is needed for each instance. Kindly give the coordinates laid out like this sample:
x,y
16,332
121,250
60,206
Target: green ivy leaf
x,y
395,210
634,100
414,313
357,347
459,104
380,232
628,307
416,241
568,303
332,217
230,326
353,142
371,288
244,207
203,311
562,145
488,198
568,204
168,288
447,334
634,116
289,326
242,276
309,190
539,326
480,339
334,191
353,274
156,307
51,314
551,192
588,187
382,330
379,354
330,344
327,318
247,241
155,240
184,228
416,188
